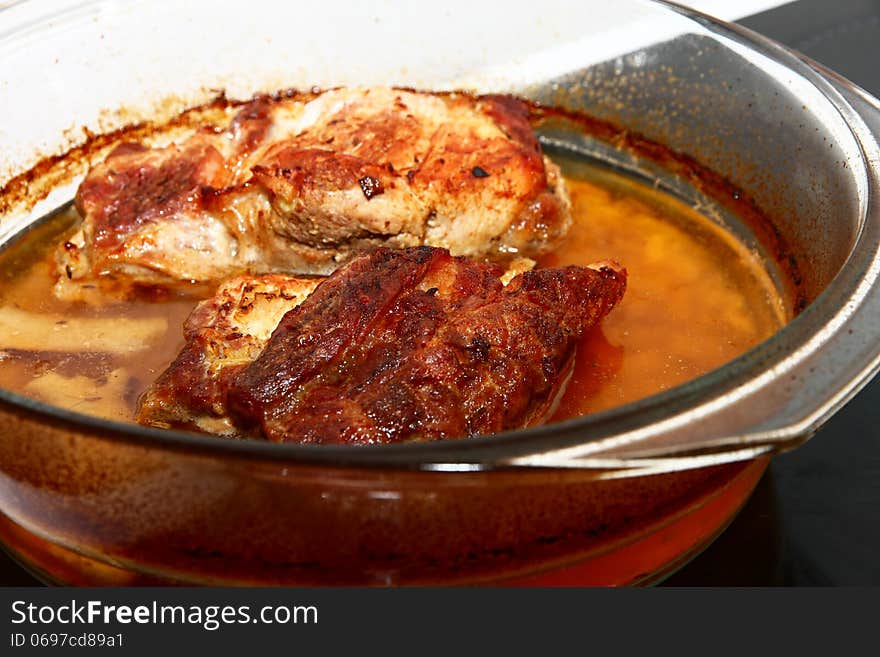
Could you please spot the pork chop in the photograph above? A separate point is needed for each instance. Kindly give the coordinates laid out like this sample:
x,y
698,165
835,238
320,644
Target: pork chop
x,y
396,345
303,184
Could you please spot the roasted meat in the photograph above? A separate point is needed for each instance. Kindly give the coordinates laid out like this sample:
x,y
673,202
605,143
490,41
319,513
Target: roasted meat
x,y
223,335
302,184
397,345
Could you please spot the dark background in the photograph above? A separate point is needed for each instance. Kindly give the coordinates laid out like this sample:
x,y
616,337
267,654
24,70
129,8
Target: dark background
x,y
814,519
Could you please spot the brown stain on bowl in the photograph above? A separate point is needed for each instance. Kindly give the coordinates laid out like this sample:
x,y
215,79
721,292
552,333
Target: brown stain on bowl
x,y
733,198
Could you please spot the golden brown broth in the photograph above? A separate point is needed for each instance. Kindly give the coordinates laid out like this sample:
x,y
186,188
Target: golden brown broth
x,y
91,384
695,299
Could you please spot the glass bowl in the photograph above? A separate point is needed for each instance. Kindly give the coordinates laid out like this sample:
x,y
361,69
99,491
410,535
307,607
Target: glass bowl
x,y
709,112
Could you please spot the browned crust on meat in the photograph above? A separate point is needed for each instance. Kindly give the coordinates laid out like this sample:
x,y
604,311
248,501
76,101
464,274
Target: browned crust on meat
x,y
137,185
367,168
303,178
223,335
418,345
